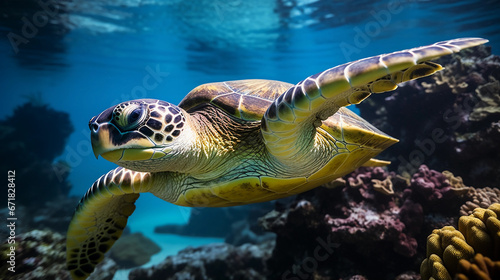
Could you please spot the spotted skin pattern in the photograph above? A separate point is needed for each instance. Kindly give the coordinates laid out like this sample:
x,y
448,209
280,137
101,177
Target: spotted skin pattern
x,y
158,124
237,142
90,235
164,123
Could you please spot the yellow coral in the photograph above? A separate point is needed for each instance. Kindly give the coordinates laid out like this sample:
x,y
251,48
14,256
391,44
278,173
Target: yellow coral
x,y
447,247
475,233
456,183
433,268
384,186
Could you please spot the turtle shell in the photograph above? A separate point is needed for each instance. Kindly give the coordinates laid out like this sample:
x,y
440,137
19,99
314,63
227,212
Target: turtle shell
x,y
244,99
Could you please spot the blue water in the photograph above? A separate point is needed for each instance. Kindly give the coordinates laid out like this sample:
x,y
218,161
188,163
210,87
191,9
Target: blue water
x,y
105,50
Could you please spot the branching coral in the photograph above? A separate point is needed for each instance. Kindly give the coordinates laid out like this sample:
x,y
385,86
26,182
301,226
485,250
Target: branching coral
x,y
446,247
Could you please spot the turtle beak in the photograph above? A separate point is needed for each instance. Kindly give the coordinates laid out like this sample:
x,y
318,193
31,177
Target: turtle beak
x,y
114,145
101,140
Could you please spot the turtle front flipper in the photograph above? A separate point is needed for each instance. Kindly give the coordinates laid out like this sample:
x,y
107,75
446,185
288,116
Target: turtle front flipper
x,y
289,124
100,218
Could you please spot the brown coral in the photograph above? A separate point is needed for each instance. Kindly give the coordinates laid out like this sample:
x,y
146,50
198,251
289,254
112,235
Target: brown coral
x,y
479,268
446,247
481,198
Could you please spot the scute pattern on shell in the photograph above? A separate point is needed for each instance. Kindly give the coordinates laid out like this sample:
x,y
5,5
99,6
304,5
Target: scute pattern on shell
x,y
246,99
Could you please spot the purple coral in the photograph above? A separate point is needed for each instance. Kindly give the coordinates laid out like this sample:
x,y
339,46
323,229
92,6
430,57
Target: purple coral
x,y
359,184
364,224
430,184
432,190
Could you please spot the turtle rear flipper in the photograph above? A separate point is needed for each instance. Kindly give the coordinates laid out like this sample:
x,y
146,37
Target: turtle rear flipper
x,y
100,218
376,163
290,123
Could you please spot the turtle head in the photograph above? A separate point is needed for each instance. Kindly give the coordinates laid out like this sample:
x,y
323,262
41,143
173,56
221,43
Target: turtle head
x,y
138,134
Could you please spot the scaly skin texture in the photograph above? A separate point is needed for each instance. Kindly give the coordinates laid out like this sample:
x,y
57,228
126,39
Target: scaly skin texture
x,y
238,142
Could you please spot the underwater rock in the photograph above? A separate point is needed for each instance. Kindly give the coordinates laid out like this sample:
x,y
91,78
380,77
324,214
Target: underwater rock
x,y
449,120
39,116
212,261
32,156
133,250
206,222
242,232
489,102
42,255
54,216
236,224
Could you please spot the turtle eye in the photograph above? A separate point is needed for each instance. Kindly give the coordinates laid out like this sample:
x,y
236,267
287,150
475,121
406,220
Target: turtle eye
x,y
135,115
131,117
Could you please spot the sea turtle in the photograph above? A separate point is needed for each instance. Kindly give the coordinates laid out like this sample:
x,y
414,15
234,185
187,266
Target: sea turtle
x,y
237,142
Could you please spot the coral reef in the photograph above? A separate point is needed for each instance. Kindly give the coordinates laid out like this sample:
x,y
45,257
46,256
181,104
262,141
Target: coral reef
x,y
32,155
341,228
133,250
481,198
478,235
213,261
449,120
334,232
42,255
431,189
